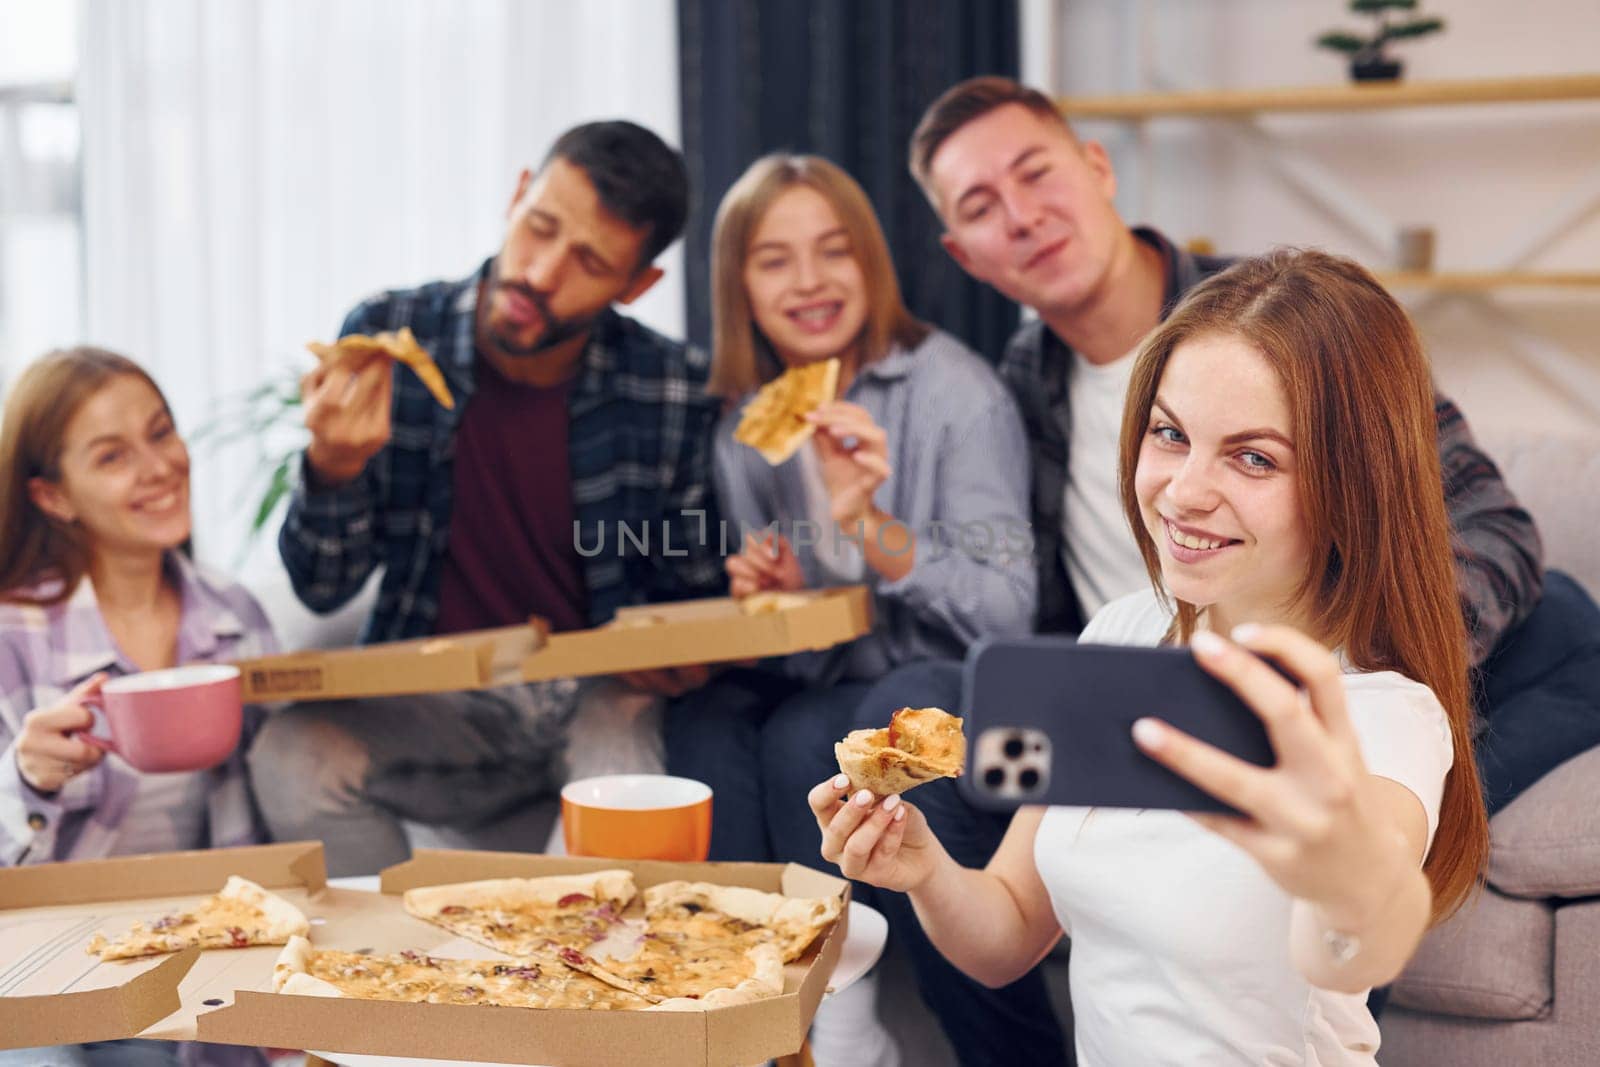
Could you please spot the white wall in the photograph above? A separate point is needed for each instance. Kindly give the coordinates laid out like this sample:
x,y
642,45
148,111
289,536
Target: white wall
x,y
1481,176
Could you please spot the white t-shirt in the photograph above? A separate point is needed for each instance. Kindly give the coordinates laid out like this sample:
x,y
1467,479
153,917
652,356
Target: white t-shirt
x,y
1099,552
1179,940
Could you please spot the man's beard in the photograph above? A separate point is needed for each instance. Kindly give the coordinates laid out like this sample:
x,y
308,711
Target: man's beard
x,y
555,330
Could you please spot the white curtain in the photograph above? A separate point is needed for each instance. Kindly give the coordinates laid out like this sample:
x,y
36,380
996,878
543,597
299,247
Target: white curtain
x,y
252,168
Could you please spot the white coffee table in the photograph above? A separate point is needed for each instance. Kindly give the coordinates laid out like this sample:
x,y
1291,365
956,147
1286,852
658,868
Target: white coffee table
x,y
863,944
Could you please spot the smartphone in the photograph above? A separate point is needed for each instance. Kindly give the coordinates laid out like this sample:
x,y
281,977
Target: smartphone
x,y
1049,720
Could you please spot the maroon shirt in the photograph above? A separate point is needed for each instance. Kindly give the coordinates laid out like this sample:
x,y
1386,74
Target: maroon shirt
x,y
511,551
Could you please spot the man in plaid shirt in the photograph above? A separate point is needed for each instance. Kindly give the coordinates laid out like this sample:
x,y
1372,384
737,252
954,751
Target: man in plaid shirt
x,y
570,423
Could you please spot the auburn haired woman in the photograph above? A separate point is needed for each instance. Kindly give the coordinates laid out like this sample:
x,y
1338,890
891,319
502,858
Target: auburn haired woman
x,y
1279,467
95,582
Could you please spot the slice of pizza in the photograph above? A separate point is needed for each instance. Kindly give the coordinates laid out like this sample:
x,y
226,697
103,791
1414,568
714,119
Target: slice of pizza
x,y
771,601
400,345
919,745
682,975
241,915
524,916
703,911
773,421
415,977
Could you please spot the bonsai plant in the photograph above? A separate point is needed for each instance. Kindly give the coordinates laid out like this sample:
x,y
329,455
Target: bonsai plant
x,y
1368,62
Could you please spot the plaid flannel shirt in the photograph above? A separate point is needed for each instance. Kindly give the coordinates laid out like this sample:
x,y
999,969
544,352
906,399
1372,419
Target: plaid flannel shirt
x,y
1499,558
639,450
46,651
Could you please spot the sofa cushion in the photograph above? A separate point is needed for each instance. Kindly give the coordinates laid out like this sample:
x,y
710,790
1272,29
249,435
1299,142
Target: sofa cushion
x,y
1547,842
1493,959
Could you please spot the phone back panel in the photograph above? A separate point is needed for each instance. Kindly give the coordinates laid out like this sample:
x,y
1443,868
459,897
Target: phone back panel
x,y
1049,720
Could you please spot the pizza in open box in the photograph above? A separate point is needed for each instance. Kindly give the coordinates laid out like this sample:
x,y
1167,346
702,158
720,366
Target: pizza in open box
x,y
713,945
523,916
919,745
415,977
241,915
773,421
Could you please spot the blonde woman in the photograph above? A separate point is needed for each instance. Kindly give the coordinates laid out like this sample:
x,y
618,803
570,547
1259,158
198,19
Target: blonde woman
x,y
914,484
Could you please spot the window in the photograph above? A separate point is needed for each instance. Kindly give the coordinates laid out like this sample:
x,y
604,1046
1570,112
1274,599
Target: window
x,y
41,246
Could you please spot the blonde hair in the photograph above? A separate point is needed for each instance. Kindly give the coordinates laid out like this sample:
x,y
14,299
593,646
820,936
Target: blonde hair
x,y
1380,581
741,359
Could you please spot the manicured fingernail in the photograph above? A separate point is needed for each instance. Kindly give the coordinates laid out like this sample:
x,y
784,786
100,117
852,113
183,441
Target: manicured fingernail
x,y
864,798
1246,631
900,815
841,781
891,802
1206,643
1148,734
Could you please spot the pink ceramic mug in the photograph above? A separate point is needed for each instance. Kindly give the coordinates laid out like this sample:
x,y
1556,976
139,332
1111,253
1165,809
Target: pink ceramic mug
x,y
179,719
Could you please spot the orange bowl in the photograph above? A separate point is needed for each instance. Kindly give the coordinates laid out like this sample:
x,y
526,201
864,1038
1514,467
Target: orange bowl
x,y
637,817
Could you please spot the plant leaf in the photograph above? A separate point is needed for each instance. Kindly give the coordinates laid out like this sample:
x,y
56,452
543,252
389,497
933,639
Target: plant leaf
x,y
276,490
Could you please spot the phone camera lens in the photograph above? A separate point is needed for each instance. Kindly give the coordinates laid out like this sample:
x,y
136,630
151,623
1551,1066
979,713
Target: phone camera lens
x,y
994,777
1013,748
1028,780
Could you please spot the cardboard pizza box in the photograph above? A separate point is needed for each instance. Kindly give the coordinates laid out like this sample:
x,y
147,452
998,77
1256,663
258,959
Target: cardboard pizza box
x,y
478,659
715,630
54,993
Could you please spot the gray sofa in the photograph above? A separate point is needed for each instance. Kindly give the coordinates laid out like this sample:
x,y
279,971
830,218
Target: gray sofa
x,y
1514,978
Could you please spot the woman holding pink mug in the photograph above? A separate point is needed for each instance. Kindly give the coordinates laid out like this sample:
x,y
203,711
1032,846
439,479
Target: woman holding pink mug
x,y
98,589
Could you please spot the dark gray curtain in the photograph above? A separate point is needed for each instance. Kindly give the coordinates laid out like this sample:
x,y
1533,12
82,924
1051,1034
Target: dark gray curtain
x,y
845,79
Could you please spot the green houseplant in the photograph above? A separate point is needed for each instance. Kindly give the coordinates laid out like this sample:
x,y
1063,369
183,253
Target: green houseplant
x,y
1368,61
268,419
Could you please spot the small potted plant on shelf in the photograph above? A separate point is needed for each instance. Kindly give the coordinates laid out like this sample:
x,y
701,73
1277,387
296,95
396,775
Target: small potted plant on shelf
x,y
1368,62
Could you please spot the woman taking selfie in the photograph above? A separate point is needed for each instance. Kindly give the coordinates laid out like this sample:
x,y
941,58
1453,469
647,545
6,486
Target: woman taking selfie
x,y
1280,471
94,527
913,484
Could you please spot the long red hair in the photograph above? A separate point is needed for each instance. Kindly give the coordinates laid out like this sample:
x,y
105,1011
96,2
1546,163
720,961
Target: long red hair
x,y
1380,581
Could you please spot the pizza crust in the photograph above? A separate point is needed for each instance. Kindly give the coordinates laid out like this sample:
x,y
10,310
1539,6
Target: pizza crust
x,y
613,886
918,746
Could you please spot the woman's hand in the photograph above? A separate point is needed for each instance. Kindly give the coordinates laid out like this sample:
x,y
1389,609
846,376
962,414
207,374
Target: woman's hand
x,y
47,752
765,563
854,456
1317,822
886,844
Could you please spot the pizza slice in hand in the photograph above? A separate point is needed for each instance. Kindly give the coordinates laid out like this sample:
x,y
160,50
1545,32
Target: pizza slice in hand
x,y
524,916
919,745
241,915
398,345
773,422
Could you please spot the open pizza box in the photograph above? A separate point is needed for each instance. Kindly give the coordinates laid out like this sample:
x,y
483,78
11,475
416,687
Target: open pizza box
x,y
52,992
478,659
716,630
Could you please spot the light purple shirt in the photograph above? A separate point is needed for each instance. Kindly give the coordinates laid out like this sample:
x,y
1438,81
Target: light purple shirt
x,y
46,651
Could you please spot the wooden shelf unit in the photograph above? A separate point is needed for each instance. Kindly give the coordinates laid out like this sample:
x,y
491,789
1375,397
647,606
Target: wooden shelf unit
x,y
1485,281
1350,97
